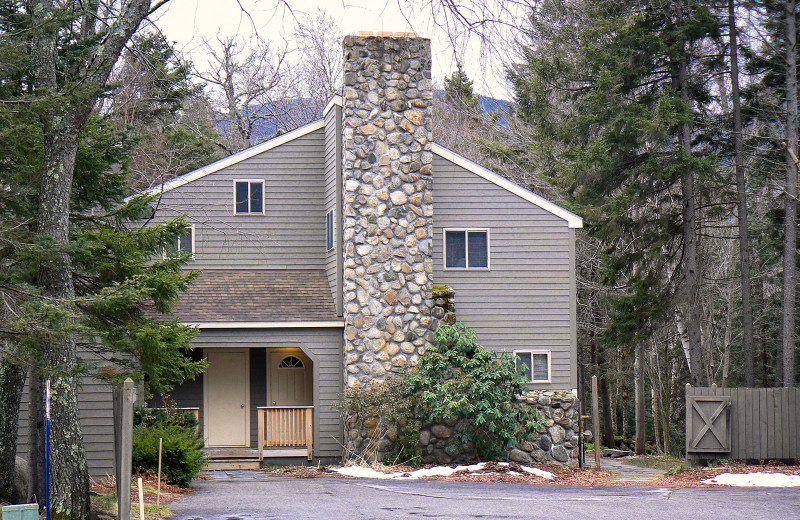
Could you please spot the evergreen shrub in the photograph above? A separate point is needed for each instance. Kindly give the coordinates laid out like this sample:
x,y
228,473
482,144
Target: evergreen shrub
x,y
182,455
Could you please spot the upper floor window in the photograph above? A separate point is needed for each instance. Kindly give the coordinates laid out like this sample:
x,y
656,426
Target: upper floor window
x,y
329,230
535,365
248,197
466,248
183,243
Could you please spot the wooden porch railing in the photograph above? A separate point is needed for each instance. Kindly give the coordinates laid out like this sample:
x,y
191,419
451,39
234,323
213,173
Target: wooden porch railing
x,y
285,426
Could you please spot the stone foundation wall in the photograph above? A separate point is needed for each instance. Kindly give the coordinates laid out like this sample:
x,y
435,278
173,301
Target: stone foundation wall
x,y
558,442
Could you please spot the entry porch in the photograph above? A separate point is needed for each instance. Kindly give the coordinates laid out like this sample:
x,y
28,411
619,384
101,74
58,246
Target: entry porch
x,y
252,404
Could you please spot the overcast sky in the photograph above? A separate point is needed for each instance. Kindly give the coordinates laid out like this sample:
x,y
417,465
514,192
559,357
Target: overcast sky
x,y
188,21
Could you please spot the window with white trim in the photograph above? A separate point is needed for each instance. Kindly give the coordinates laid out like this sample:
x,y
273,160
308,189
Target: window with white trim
x,y
466,249
183,243
329,230
535,364
248,197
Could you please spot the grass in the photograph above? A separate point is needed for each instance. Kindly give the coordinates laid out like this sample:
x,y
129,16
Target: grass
x,y
106,504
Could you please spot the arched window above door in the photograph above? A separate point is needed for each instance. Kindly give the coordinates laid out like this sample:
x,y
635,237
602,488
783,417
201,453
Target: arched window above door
x,y
291,362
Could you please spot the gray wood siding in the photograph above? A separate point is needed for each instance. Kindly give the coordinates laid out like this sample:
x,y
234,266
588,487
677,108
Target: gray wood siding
x,y
527,298
332,169
291,233
323,346
97,425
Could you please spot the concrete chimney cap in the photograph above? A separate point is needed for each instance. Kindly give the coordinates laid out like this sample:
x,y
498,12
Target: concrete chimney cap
x,y
388,34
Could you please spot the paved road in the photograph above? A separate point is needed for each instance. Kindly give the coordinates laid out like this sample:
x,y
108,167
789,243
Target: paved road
x,y
256,496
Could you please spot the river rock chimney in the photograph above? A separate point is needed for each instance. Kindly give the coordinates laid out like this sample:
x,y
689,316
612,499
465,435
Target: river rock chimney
x,y
388,203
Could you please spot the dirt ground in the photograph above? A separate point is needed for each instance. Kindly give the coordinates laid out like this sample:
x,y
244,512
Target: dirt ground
x,y
565,476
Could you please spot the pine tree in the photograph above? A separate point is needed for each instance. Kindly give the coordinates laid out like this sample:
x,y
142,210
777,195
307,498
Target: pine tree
x,y
78,270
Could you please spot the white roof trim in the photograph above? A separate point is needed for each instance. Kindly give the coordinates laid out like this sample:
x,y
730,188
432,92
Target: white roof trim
x,y
235,158
336,100
572,219
267,324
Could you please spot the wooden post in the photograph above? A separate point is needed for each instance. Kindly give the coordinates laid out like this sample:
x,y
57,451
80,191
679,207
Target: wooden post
x,y
158,491
689,459
595,423
141,500
124,399
309,431
261,413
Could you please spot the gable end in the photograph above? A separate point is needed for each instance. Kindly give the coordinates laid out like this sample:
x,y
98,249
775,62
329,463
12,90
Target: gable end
x,y
236,158
573,220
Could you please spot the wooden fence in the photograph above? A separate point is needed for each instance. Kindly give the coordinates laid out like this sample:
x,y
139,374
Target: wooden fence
x,y
742,423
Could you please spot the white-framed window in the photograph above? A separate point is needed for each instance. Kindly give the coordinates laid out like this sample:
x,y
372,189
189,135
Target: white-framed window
x,y
329,230
466,248
535,364
248,197
183,243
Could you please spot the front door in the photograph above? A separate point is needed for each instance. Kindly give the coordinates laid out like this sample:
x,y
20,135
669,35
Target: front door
x,y
227,417
290,378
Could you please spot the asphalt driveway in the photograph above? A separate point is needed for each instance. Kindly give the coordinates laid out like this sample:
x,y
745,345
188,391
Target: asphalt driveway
x,y
253,496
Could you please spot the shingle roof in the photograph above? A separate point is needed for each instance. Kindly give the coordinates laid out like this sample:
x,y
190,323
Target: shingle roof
x,y
272,295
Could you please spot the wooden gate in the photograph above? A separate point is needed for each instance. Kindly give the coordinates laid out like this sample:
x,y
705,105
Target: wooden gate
x,y
708,424
743,423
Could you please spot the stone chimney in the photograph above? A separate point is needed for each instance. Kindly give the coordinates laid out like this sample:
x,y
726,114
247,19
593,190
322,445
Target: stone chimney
x,y
388,204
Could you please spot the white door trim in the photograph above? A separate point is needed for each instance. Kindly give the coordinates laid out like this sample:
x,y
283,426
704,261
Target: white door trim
x,y
206,415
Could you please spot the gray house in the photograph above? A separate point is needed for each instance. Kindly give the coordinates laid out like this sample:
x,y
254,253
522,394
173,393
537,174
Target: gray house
x,y
319,250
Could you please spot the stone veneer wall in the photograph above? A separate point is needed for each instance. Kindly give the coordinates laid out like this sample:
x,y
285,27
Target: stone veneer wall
x,y
558,442
388,204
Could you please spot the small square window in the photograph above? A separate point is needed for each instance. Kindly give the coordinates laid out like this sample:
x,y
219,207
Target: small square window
x,y
466,248
329,230
248,197
535,364
183,243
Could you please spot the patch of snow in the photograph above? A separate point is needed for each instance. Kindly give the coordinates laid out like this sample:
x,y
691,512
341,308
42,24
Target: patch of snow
x,y
538,472
362,472
759,479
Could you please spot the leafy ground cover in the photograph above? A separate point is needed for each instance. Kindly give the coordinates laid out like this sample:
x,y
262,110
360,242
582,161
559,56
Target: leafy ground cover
x,y
562,475
104,497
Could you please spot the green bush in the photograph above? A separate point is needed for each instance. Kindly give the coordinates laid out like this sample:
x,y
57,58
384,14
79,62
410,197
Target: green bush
x,y
170,415
382,409
459,379
182,455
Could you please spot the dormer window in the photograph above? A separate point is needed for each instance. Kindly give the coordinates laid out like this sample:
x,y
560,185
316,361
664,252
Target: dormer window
x,y
248,197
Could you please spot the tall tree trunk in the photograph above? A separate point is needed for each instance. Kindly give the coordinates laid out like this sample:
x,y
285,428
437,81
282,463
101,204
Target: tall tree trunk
x,y
726,342
35,440
639,397
790,197
69,478
608,421
12,380
691,271
625,411
654,406
741,202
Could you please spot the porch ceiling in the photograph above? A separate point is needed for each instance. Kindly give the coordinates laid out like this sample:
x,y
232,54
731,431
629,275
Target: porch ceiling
x,y
272,295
